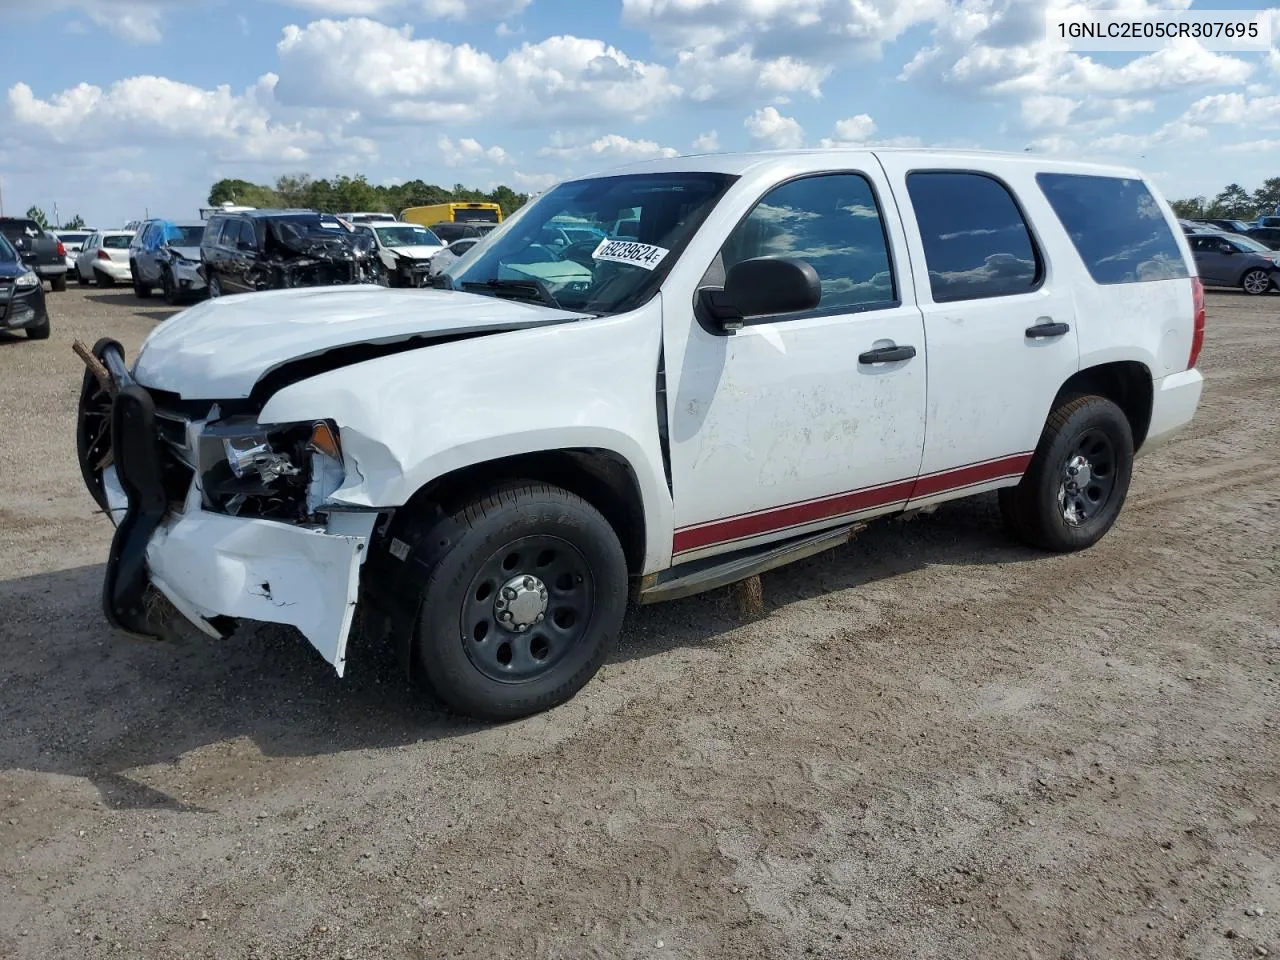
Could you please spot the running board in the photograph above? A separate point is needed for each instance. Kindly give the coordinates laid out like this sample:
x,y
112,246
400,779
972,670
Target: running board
x,y
698,576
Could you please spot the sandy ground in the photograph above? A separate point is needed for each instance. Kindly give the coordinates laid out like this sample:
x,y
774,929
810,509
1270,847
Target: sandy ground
x,y
935,743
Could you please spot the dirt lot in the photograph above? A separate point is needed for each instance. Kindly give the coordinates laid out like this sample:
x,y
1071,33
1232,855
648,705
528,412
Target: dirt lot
x,y
935,744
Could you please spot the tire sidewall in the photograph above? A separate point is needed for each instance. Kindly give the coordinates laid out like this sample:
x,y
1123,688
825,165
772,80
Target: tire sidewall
x,y
1244,283
1100,414
439,645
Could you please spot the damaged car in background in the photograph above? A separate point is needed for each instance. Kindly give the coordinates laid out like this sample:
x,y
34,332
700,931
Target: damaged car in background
x,y
739,363
247,251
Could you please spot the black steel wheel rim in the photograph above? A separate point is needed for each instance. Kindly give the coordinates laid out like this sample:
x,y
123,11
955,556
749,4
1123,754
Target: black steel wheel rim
x,y
1088,478
501,633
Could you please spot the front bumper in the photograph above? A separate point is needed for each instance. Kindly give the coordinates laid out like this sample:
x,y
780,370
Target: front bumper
x,y
24,308
187,277
212,567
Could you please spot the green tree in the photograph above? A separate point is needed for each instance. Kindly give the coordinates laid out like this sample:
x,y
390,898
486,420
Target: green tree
x,y
294,190
1233,202
38,215
351,193
1191,209
242,193
75,223
1267,197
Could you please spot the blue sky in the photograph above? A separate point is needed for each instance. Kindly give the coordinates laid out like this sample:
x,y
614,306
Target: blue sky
x,y
113,108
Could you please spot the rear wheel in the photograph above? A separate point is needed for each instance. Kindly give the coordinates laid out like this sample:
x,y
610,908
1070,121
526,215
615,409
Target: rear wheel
x,y
1078,479
59,283
168,287
1255,282
522,610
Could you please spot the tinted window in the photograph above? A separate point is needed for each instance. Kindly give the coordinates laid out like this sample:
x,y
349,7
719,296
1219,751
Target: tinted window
x,y
232,233
120,241
7,253
448,232
832,223
1117,227
976,243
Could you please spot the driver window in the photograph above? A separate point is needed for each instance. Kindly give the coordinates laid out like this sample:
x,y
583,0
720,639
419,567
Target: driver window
x,y
833,223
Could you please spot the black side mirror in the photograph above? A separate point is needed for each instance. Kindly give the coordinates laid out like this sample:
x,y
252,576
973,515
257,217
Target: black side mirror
x,y
762,287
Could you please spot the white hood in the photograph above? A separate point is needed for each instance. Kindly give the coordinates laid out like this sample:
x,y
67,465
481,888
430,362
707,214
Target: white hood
x,y
218,349
425,252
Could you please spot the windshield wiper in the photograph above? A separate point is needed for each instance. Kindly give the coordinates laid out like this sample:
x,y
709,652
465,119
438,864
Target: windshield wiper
x,y
537,288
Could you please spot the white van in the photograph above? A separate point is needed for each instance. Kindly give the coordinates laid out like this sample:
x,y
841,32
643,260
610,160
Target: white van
x,y
783,347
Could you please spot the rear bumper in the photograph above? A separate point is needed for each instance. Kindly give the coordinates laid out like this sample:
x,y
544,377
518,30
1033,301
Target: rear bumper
x,y
116,271
212,567
1174,402
50,270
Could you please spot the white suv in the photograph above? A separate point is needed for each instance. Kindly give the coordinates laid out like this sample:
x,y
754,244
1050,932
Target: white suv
x,y
784,346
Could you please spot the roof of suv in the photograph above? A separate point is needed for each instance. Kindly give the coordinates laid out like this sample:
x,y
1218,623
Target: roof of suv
x,y
823,158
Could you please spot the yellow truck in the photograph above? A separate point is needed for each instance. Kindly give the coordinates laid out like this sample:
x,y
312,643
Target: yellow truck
x,y
452,213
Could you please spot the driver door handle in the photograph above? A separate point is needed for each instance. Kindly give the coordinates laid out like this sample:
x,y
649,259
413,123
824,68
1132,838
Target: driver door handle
x,y
1043,331
887,355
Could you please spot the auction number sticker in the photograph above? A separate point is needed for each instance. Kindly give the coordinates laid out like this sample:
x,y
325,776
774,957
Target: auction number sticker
x,y
628,251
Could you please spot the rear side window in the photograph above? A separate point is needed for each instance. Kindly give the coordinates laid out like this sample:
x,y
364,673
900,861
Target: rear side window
x,y
1117,227
976,242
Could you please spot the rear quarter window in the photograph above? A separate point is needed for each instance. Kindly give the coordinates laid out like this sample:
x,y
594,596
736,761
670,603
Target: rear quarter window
x,y
1116,226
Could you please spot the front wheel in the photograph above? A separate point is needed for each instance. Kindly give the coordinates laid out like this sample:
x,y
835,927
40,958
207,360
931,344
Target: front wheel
x,y
1256,282
39,333
525,606
104,279
1078,479
214,285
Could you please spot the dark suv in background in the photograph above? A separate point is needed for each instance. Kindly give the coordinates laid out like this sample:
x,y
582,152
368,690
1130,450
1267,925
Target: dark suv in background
x,y
273,249
43,253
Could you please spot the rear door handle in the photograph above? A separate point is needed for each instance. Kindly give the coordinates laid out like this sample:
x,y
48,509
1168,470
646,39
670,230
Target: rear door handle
x,y
887,355
1042,331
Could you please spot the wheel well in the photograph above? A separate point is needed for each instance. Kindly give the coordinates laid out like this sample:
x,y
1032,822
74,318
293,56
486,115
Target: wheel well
x,y
1125,383
601,477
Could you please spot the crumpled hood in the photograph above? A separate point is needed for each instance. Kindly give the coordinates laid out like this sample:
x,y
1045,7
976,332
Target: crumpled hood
x,y
425,252
187,253
218,349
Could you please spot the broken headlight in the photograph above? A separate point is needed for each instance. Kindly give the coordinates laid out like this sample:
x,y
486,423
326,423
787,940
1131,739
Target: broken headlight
x,y
274,471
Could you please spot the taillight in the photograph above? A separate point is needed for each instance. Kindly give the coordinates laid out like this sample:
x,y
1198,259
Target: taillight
x,y
1197,333
62,249
103,255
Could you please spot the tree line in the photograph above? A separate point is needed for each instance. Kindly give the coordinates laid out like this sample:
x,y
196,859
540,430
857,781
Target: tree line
x,y
349,194
1233,203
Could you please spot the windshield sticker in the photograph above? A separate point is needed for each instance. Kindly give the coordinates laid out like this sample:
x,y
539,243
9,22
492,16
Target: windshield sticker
x,y
629,251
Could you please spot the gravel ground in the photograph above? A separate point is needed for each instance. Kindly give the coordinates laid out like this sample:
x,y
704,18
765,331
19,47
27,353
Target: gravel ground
x,y
934,744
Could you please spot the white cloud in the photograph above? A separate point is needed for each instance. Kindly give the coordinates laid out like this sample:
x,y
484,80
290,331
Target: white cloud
x,y
1253,147
856,129
767,126
708,142
612,146
153,109
709,74
469,151
137,21
386,72
423,9
1235,109
534,182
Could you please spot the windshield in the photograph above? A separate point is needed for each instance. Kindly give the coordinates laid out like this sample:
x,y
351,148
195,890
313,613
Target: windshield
x,y
599,273
408,237
176,236
1248,244
7,253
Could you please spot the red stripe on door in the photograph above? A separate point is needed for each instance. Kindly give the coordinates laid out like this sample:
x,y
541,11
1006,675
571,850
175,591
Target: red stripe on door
x,y
795,515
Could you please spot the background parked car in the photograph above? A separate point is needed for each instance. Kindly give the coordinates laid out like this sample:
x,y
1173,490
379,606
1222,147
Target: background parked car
x,y
42,252
1230,260
22,305
406,250
73,240
450,255
1268,236
1268,222
166,254
1226,226
104,258
370,217
1193,227
449,231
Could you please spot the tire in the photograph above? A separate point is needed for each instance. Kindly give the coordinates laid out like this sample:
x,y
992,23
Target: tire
x,y
1255,282
59,284
104,279
140,290
167,287
39,333
519,534
214,285
1041,510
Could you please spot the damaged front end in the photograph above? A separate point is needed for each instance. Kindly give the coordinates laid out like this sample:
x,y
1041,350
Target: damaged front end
x,y
225,517
303,253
